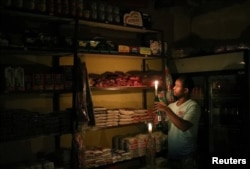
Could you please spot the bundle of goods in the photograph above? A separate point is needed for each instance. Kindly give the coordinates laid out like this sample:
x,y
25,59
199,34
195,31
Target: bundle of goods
x,y
97,156
120,155
142,142
100,114
136,145
141,115
160,140
114,79
131,146
112,117
126,116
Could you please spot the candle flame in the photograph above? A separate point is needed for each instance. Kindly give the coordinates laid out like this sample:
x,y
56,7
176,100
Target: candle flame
x,y
156,87
150,127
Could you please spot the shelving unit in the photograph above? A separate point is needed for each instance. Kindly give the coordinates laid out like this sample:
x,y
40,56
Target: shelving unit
x,y
119,97
33,120
51,56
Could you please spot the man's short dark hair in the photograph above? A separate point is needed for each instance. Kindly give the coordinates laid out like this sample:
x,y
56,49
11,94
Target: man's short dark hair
x,y
187,82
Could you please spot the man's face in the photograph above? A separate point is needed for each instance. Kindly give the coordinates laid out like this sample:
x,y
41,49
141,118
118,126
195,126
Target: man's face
x,y
179,91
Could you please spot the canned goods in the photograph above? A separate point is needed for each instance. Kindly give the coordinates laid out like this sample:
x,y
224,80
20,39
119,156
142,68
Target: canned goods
x,y
110,17
50,6
94,15
93,5
79,8
109,9
116,10
58,7
72,8
40,5
101,16
117,18
86,14
101,7
17,3
6,3
29,4
65,7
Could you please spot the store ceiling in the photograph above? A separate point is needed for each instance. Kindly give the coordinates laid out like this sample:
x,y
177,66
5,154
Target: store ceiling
x,y
198,7
206,6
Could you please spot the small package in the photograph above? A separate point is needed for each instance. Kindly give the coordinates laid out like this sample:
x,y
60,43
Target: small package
x,y
67,77
123,49
134,49
9,75
48,81
145,51
38,81
58,81
19,79
155,47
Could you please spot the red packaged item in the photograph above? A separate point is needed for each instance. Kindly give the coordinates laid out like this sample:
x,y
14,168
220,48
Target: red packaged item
x,y
58,81
48,81
37,81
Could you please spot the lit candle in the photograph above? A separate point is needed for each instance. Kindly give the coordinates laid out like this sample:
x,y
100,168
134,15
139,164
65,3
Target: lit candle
x,y
150,127
156,87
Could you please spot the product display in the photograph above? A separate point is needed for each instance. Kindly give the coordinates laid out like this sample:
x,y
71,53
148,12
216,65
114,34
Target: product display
x,y
47,36
115,117
18,79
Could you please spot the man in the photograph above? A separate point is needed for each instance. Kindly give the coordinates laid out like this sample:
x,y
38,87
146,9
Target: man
x,y
183,118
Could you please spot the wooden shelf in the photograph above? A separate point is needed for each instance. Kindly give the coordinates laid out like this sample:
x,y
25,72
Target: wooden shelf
x,y
120,88
116,27
96,128
38,51
33,15
119,55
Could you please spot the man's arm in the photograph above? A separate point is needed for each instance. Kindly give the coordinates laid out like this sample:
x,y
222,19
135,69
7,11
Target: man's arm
x,y
180,123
